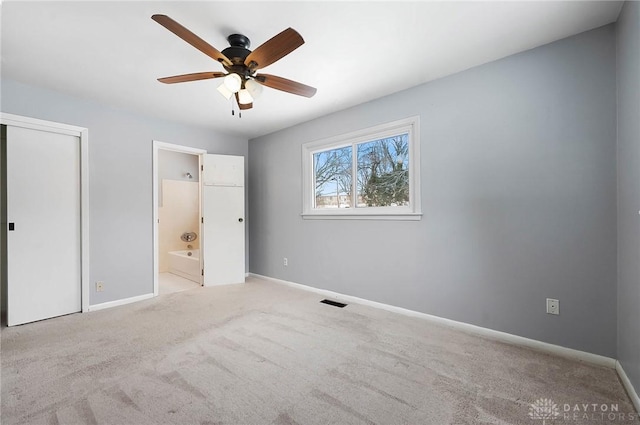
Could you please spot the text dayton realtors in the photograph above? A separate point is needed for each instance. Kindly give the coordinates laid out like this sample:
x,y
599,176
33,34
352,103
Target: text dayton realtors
x,y
594,411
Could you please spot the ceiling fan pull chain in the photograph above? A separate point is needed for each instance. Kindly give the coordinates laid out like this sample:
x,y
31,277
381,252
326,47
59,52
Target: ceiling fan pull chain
x,y
233,108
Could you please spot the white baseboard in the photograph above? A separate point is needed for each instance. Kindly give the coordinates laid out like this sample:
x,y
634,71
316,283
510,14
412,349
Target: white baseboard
x,y
116,303
558,350
633,395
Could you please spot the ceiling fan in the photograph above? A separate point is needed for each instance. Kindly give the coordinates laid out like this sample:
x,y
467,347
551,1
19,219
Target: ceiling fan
x,y
241,64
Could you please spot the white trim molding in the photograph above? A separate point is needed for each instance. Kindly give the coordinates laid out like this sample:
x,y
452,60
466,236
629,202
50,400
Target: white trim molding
x,y
626,382
558,350
117,303
38,124
83,135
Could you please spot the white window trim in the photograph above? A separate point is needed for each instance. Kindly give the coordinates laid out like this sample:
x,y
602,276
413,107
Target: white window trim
x,y
409,125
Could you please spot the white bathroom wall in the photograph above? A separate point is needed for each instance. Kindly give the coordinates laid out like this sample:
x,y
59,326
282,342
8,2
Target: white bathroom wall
x,y
174,166
177,202
178,214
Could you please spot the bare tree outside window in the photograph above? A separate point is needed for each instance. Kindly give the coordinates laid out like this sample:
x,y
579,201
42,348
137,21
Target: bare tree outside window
x,y
332,170
383,172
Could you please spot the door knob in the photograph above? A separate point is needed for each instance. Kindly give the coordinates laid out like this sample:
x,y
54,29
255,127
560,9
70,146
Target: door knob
x,y
240,220
12,227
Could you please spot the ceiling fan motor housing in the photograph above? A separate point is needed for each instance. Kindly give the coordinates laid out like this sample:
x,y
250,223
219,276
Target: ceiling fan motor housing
x,y
239,49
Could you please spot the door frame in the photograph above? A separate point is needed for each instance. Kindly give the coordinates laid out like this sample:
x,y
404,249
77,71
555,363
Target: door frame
x,y
83,135
157,146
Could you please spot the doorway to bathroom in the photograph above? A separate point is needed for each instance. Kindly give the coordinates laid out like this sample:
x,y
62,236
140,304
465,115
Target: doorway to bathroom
x,y
178,262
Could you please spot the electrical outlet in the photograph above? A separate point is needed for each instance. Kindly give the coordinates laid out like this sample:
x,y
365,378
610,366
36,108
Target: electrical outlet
x,y
553,306
285,261
99,286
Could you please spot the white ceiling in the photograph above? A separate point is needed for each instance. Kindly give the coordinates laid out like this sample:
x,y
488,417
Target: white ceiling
x,y
112,52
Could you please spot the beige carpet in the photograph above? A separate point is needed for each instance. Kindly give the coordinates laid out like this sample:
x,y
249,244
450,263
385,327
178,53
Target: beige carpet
x,y
262,353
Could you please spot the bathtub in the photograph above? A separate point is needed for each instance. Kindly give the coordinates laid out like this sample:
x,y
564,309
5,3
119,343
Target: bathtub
x,y
185,265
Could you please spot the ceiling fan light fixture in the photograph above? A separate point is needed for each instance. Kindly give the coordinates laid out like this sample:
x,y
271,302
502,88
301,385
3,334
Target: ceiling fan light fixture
x,y
225,91
233,82
254,88
241,64
244,97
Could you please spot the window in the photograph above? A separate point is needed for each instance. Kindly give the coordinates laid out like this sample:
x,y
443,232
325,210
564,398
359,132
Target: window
x,y
371,173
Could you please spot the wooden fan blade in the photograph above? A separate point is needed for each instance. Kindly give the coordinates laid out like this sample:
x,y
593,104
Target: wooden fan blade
x,y
191,38
283,84
191,77
242,106
273,49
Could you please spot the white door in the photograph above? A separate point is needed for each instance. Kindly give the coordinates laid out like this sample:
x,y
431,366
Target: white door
x,y
43,214
223,219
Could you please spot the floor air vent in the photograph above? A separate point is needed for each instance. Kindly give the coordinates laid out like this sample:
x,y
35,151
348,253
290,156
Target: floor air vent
x,y
333,303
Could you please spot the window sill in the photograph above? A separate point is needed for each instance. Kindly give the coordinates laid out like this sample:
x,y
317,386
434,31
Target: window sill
x,y
322,215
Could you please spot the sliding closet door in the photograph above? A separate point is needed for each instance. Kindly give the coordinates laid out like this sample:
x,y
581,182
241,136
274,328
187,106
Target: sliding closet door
x,y
43,212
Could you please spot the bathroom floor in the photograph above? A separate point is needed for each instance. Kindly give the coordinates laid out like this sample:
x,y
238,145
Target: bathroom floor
x,y
169,283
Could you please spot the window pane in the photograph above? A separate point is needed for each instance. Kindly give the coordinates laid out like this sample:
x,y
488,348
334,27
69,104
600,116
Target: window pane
x,y
332,171
383,172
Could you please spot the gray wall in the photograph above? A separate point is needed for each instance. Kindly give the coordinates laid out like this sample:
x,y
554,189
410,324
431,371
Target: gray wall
x,y
120,169
628,49
518,195
173,166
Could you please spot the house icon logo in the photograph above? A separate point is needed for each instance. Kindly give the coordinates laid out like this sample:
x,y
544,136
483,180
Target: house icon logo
x,y
544,409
